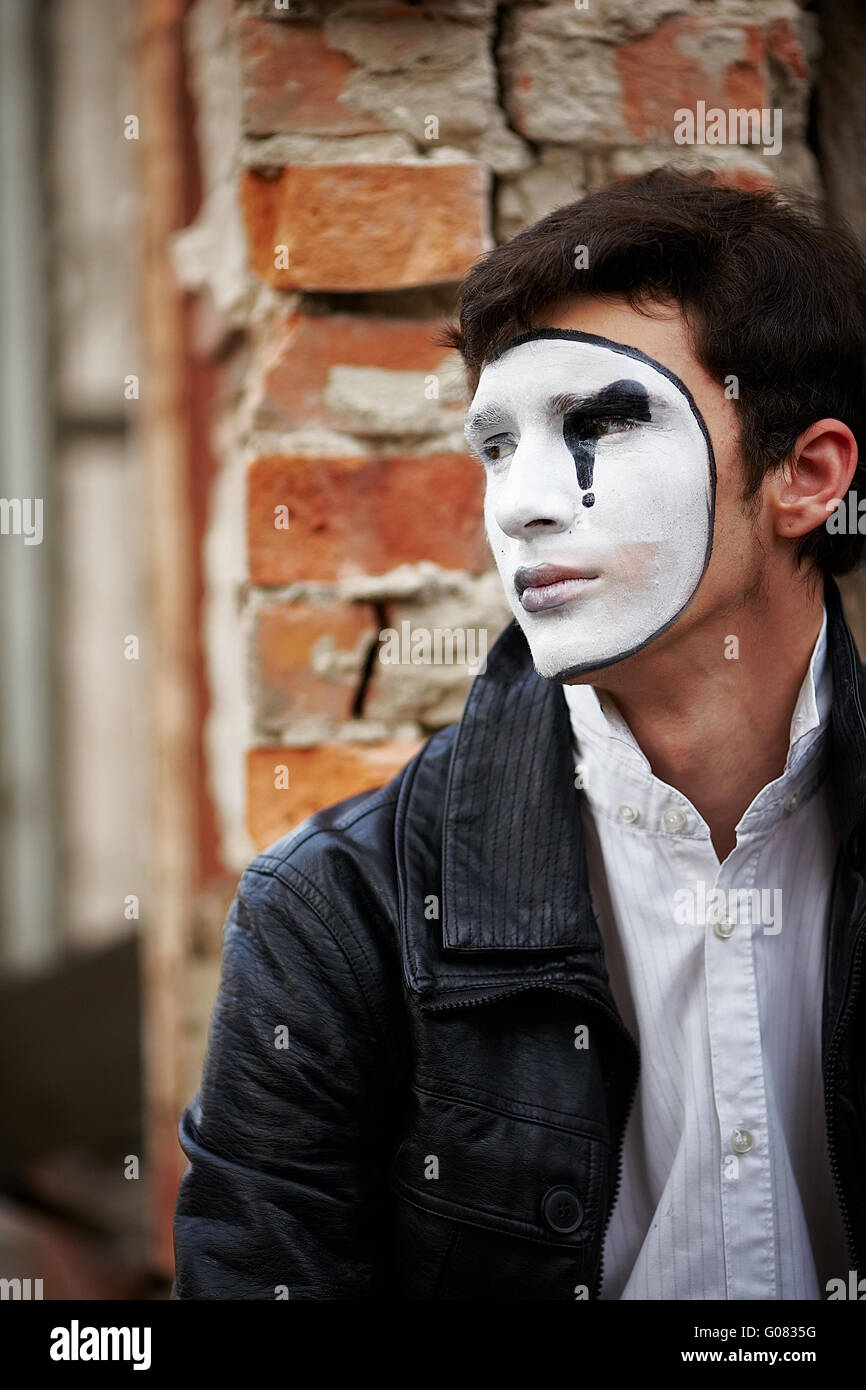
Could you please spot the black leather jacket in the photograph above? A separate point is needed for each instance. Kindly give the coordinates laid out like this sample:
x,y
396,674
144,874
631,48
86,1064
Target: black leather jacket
x,y
393,1104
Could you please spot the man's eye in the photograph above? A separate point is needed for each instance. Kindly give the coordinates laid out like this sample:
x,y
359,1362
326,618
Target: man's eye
x,y
497,449
596,426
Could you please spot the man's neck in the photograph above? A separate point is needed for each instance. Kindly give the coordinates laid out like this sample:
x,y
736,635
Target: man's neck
x,y
718,729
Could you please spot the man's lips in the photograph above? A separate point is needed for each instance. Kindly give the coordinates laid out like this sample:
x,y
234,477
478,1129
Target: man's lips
x,y
548,586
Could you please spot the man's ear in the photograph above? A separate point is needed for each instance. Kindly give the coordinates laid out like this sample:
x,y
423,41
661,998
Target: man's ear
x,y
815,478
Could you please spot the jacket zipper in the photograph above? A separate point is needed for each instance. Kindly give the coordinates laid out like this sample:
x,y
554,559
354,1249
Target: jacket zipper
x,y
621,1028
854,979
620,1144
832,1065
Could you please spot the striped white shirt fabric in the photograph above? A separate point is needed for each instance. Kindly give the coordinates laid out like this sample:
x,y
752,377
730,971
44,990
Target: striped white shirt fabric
x,y
718,972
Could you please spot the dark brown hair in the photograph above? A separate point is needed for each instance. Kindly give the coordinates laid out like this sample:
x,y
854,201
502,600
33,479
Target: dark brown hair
x,y
771,294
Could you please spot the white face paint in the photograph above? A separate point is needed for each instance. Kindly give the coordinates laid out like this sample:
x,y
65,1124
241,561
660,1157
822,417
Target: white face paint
x,y
613,483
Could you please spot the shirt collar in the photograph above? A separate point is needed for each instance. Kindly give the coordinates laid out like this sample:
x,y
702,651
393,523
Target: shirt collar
x,y
812,710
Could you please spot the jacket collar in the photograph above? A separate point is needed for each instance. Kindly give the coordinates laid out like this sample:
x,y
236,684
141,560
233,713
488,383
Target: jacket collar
x,y
514,872
513,868
848,727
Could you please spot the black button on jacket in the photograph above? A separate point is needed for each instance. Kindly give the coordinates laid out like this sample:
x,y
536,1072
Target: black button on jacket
x,y
417,1081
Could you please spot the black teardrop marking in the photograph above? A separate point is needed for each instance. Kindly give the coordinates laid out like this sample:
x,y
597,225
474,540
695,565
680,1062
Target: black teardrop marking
x,y
582,450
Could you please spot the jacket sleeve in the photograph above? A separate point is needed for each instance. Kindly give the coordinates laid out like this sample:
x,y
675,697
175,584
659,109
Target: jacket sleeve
x,y
285,1195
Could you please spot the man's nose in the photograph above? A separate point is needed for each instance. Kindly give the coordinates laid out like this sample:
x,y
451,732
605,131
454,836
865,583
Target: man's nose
x,y
540,490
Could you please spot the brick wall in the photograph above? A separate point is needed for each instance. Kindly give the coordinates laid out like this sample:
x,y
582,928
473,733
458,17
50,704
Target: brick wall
x,y
356,159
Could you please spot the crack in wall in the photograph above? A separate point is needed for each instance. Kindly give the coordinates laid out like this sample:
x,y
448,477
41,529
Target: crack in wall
x,y
366,677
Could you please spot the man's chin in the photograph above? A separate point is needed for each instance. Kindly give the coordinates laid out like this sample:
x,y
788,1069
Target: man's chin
x,y
579,659
556,660
565,667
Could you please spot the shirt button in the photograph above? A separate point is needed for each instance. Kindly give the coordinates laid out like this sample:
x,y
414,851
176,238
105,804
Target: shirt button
x,y
791,803
741,1141
724,927
629,813
562,1210
675,820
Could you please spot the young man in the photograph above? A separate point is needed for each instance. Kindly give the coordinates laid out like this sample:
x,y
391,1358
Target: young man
x,y
574,1003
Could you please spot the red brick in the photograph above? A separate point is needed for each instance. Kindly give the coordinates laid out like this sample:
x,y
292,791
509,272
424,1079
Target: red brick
x,y
293,81
365,226
750,180
304,350
317,778
784,45
660,73
286,635
364,515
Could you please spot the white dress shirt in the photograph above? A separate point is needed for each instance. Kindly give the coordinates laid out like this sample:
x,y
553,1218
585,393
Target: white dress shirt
x,y
726,1188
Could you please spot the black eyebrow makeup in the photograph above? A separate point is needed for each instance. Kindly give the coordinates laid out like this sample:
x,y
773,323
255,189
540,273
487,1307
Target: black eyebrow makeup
x,y
626,398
